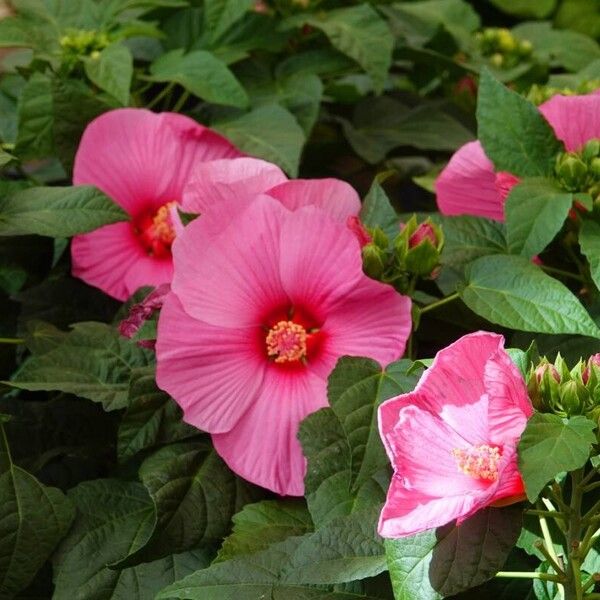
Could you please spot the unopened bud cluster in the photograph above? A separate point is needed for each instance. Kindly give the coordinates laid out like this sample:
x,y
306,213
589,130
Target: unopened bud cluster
x,y
415,251
555,388
538,94
580,171
79,43
502,48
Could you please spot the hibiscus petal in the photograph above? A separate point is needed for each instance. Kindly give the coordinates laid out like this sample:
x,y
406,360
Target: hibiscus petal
x,y
233,280
337,198
320,260
231,183
105,258
575,119
509,406
213,373
370,311
143,160
467,186
407,512
263,447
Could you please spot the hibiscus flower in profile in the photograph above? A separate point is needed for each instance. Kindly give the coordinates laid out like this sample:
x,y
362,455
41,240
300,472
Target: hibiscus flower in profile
x,y
453,440
469,185
142,161
256,321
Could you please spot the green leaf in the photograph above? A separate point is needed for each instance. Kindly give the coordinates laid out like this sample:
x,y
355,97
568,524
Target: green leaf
x,y
202,74
152,418
513,132
92,361
526,8
559,47
114,517
535,211
14,33
512,292
451,559
360,33
376,211
589,241
269,132
36,118
57,211
550,445
220,15
261,524
347,466
112,71
33,519
183,479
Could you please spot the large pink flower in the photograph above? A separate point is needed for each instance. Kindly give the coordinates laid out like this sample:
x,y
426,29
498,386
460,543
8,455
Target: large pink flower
x,y
220,189
452,441
143,161
469,185
256,321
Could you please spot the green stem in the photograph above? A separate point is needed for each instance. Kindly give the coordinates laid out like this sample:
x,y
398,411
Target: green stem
x,y
528,575
182,100
164,92
562,273
11,340
556,495
553,514
439,303
591,486
573,586
547,549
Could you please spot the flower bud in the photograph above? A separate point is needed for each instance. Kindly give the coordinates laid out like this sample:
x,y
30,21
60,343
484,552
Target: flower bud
x,y
595,167
506,42
593,366
571,171
525,47
591,150
359,230
572,397
497,60
418,247
373,260
423,232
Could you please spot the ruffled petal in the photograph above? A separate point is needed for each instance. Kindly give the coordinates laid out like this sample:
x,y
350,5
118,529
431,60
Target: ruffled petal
x,y
231,182
453,388
142,160
509,406
105,258
213,373
320,260
407,512
335,197
263,447
467,186
233,281
575,119
371,311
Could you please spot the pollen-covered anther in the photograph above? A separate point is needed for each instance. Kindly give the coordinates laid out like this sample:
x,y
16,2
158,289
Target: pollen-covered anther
x,y
286,341
162,226
479,462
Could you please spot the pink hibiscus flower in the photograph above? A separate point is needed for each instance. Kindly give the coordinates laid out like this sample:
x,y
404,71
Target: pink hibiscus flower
x,y
470,186
142,160
452,441
220,189
256,321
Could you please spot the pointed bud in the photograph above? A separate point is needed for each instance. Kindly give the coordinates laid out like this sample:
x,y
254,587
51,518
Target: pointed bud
x,y
595,167
497,60
573,396
571,171
373,260
423,232
591,150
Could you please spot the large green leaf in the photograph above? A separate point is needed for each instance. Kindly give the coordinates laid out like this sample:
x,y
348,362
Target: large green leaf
x,y
112,71
525,8
202,74
451,559
550,445
513,132
513,292
33,519
152,417
93,361
114,517
220,15
269,132
535,211
559,47
589,240
261,524
194,494
347,466
376,211
360,33
35,114
57,211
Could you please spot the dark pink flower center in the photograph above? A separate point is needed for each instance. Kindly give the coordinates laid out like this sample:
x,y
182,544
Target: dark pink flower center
x,y
479,462
156,231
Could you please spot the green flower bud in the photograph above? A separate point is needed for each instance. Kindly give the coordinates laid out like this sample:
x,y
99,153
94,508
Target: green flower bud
x,y
418,246
373,261
525,47
571,171
572,397
506,41
497,60
590,150
595,167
